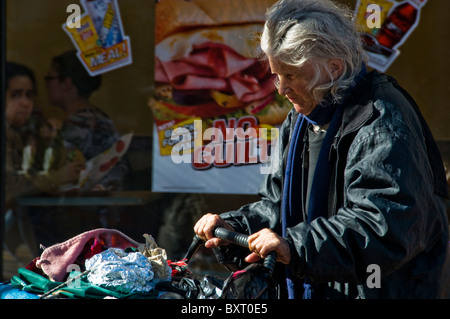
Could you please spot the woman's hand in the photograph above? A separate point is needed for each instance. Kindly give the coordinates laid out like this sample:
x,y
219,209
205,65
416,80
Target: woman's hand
x,y
205,227
70,173
266,241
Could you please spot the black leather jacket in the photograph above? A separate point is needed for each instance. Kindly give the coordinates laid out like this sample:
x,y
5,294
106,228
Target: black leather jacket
x,y
386,204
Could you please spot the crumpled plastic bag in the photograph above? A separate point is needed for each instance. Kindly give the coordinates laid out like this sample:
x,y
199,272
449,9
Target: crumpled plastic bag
x,y
252,282
157,257
121,271
206,287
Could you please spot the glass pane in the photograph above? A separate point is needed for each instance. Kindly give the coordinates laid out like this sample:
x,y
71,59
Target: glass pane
x,y
62,120
61,116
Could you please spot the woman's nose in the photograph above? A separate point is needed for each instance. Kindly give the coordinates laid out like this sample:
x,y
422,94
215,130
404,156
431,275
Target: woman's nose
x,y
283,89
26,101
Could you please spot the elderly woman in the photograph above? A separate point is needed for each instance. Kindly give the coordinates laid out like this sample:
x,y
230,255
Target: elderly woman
x,y
354,206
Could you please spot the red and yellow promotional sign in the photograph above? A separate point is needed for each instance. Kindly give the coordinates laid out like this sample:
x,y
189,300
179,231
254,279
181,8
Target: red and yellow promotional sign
x,y
386,25
100,40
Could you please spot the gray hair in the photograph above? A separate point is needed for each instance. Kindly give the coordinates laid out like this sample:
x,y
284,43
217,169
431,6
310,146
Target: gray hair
x,y
300,31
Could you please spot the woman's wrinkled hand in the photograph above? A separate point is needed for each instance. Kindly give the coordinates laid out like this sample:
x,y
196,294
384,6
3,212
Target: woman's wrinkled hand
x,y
205,226
266,241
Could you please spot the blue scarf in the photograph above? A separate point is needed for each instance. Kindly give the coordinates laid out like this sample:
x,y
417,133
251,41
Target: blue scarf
x,y
291,210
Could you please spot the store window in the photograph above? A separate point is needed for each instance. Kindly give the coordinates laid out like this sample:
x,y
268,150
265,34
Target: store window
x,y
63,119
70,117
90,113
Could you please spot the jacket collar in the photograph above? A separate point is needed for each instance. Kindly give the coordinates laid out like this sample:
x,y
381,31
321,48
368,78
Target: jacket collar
x,y
359,107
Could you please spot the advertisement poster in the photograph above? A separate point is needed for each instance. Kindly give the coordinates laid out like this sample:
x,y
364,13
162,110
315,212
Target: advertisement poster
x,y
99,37
386,25
216,110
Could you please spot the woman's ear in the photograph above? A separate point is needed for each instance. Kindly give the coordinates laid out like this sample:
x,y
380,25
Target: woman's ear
x,y
336,67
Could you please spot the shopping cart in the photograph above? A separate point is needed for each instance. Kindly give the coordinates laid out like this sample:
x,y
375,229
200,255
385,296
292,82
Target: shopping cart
x,y
254,281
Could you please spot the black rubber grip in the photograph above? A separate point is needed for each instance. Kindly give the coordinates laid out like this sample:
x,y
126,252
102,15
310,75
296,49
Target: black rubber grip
x,y
196,243
242,240
231,236
270,261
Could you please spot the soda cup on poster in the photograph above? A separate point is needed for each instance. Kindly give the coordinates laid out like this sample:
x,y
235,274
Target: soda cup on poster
x,y
399,22
100,40
105,18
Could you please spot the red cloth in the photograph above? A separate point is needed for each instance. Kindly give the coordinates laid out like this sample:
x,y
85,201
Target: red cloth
x,y
54,260
179,268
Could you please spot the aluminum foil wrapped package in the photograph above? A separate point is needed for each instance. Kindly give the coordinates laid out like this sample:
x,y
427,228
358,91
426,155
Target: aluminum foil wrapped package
x,y
117,270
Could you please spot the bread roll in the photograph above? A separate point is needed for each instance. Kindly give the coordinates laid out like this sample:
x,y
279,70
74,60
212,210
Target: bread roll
x,y
173,16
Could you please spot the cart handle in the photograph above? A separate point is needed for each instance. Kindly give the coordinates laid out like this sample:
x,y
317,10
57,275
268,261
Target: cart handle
x,y
235,238
242,240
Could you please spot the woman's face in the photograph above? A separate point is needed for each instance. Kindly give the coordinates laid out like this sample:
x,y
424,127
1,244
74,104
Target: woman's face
x,y
19,100
54,87
293,82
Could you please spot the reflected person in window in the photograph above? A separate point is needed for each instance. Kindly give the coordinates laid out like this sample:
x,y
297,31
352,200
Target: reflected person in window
x,y
86,127
22,179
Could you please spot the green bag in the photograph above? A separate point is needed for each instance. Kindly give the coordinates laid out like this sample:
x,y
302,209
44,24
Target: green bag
x,y
32,282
